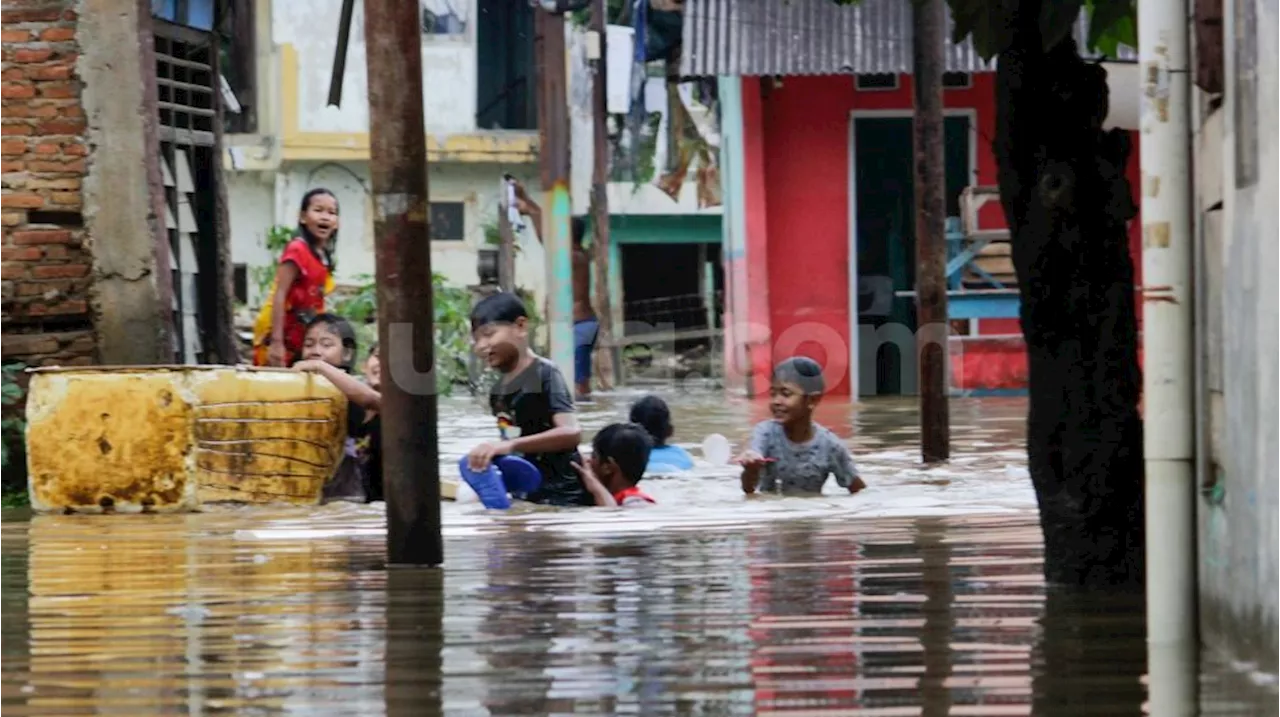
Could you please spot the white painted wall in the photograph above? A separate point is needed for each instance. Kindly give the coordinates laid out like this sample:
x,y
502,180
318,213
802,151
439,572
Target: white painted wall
x,y
448,63
624,197
1239,526
257,204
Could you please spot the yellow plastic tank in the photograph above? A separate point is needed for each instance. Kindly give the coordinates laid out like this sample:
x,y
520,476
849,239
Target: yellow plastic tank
x,y
171,438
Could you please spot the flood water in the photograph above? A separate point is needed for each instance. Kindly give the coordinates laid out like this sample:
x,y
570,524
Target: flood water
x,y
920,596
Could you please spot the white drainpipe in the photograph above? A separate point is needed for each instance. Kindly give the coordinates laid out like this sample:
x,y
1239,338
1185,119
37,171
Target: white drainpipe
x,y
1168,306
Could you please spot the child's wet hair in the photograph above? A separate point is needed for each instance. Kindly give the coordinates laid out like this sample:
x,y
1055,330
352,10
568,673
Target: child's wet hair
x,y
502,308
803,372
652,413
628,445
340,328
373,349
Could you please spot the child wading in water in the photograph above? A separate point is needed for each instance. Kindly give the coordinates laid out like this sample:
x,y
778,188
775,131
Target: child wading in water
x,y
302,280
330,350
791,453
531,402
652,413
619,454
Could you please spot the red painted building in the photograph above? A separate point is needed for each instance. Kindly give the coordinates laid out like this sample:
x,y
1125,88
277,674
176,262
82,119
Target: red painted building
x,y
827,220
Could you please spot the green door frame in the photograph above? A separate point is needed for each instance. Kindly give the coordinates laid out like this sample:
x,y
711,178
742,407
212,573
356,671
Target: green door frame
x,y
903,263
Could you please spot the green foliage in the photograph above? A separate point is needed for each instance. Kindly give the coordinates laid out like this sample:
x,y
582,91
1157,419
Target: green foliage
x,y
1111,23
15,499
12,428
275,240
582,18
643,149
452,326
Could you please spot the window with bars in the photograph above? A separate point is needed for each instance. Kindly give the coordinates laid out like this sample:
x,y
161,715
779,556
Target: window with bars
x,y
187,109
447,221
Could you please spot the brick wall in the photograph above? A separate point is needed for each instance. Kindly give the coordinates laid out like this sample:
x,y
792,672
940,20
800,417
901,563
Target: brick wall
x,y
43,153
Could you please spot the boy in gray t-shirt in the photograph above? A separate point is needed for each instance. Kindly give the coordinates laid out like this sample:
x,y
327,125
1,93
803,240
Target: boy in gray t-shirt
x,y
791,453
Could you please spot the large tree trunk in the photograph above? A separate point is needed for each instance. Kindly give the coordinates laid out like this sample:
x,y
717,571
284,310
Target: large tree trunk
x,y
1067,201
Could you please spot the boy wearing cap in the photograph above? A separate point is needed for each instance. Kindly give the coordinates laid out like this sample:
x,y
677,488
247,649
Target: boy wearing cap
x,y
792,454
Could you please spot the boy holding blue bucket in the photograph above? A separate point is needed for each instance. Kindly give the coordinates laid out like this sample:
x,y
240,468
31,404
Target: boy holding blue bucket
x,y
538,431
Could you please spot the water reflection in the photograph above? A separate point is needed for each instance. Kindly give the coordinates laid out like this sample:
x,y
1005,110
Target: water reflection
x,y
163,614
708,604
414,656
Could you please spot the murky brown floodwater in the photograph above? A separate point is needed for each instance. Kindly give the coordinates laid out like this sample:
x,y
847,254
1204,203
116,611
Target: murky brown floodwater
x,y
920,596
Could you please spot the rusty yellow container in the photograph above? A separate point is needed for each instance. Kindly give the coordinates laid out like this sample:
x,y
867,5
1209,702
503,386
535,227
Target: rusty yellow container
x,y
170,438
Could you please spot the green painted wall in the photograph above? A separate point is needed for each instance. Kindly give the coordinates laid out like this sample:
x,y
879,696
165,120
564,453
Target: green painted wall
x,y
664,228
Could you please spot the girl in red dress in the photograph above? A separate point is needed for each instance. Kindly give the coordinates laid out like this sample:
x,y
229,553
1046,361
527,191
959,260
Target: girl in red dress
x,y
304,277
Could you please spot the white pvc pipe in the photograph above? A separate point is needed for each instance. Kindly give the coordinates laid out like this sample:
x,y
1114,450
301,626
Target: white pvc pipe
x,y
1168,373
1125,93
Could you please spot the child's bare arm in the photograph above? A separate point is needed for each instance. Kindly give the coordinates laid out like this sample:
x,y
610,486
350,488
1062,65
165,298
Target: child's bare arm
x,y
564,436
846,472
601,495
356,391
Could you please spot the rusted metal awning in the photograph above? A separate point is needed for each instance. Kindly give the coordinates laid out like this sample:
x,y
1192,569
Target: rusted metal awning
x,y
812,37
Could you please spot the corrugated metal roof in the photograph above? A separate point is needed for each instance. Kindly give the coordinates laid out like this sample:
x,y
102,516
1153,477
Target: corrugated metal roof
x,y
810,37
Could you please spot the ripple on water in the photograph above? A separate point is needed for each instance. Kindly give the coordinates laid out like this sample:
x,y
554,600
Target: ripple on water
x,y
709,603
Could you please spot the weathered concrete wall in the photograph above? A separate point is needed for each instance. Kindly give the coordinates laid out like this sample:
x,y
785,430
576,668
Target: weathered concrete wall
x,y
1236,165
256,205
448,65
123,197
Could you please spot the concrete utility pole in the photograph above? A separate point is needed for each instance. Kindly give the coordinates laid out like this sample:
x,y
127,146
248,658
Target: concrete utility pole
x,y
929,20
398,168
506,245
599,190
553,141
1169,371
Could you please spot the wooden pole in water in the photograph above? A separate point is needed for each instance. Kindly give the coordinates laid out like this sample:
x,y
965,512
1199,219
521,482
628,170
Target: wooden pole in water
x,y
553,141
929,21
398,169
600,195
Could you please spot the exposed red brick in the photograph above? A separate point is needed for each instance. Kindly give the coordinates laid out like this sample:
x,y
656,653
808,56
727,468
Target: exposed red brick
x,y
17,15
75,150
14,73
61,126
13,146
21,253
28,344
71,166
22,200
8,35
73,306
12,165
15,129
57,89
27,55
42,236
62,183
47,148
52,72
58,34
13,90
60,271
54,251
